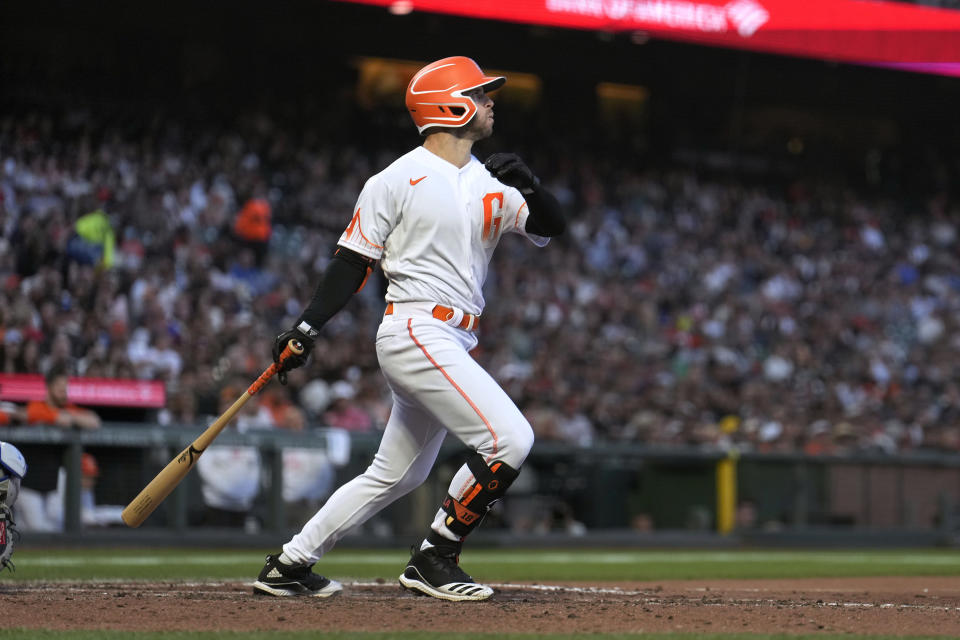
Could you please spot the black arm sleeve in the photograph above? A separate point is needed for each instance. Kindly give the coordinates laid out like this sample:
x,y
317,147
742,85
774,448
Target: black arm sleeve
x,y
344,276
546,215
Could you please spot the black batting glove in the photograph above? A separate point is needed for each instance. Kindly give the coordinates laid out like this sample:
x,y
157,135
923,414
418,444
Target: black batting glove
x,y
294,360
509,169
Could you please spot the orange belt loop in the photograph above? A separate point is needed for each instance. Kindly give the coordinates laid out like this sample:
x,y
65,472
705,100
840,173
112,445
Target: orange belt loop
x,y
470,322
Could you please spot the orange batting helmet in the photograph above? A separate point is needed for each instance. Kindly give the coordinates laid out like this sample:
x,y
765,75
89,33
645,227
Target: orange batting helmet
x,y
435,94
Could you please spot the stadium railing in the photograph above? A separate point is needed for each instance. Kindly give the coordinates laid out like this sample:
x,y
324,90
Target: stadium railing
x,y
605,486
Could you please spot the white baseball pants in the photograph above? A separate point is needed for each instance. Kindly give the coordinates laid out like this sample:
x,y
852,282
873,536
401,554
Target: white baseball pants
x,y
437,387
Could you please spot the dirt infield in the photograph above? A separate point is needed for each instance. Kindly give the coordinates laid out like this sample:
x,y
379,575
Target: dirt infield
x,y
891,606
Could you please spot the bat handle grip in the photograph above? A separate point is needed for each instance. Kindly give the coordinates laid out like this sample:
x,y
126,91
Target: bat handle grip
x,y
293,348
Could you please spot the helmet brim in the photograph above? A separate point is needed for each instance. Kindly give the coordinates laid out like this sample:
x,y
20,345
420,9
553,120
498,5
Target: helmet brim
x,y
489,83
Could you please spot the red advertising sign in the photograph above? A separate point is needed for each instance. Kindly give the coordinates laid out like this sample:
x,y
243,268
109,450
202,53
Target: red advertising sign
x,y
87,391
856,31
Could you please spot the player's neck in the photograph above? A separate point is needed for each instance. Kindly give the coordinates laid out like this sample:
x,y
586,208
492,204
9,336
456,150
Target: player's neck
x,y
454,150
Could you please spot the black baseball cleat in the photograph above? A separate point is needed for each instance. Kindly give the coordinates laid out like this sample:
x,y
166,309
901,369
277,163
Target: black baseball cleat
x,y
435,572
278,579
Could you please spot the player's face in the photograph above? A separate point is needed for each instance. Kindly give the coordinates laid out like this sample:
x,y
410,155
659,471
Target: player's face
x,y
482,124
58,391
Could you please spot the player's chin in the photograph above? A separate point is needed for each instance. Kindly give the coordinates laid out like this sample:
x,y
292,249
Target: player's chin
x,y
477,130
476,134
486,130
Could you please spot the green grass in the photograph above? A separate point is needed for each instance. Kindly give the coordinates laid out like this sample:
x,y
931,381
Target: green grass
x,y
490,565
29,634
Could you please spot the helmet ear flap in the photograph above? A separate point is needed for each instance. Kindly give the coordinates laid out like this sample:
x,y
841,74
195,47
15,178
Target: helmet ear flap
x,y
451,115
435,93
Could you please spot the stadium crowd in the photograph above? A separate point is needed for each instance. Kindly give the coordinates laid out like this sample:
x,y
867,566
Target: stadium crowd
x,y
680,309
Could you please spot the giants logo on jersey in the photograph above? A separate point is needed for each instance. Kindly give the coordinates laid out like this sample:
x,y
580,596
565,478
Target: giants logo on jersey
x,y
492,215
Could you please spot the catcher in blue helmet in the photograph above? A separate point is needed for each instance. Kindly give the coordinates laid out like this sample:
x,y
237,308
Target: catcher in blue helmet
x,y
12,469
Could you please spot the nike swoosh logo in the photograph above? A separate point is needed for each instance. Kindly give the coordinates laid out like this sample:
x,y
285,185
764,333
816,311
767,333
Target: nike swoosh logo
x,y
413,182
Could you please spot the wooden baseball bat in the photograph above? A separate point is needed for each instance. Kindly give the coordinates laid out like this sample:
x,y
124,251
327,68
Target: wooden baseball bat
x,y
170,476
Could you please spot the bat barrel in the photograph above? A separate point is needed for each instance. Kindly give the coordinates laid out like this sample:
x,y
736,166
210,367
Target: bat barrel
x,y
170,476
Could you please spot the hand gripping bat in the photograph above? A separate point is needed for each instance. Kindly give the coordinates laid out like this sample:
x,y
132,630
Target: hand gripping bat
x,y
170,476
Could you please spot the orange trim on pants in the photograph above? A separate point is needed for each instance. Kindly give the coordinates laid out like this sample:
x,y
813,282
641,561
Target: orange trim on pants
x,y
455,385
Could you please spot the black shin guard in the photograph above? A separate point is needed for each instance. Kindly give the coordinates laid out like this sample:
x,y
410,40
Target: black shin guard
x,y
491,483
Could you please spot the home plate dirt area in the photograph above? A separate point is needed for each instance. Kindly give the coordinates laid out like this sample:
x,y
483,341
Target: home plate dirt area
x,y
888,606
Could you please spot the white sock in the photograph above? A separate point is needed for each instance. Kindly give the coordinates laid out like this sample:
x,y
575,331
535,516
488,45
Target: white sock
x,y
285,559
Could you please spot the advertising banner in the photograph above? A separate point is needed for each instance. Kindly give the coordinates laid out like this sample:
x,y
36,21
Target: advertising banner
x,y
857,31
86,391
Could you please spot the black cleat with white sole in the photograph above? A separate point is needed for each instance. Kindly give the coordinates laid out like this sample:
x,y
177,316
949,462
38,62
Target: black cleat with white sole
x,y
435,572
278,579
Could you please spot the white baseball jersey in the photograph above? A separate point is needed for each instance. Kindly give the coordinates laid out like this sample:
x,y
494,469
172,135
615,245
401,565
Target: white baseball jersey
x,y
434,227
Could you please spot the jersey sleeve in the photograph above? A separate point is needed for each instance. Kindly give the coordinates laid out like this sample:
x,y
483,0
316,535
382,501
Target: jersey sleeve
x,y
515,216
373,220
41,413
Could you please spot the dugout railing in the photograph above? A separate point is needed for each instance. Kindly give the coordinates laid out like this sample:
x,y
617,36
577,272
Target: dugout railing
x,y
624,487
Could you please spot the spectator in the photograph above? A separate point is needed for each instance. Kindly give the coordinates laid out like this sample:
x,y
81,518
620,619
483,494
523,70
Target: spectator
x,y
284,414
572,425
253,416
57,410
93,241
253,227
38,507
819,440
344,413
181,409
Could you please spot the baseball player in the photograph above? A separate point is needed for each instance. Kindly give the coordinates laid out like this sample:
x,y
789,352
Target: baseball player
x,y
432,219
12,469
